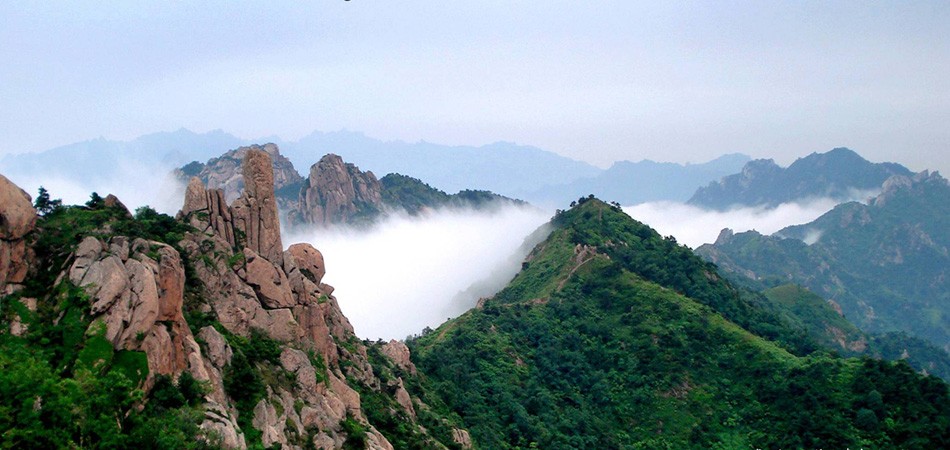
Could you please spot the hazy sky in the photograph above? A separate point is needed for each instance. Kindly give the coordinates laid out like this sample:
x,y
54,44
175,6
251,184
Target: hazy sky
x,y
594,80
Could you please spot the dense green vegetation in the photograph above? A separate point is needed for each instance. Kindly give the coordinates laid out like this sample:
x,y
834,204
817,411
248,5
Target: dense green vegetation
x,y
391,419
61,382
613,337
414,196
887,264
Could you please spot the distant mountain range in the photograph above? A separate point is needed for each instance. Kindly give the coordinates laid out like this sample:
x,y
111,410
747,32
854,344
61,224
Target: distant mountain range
x,y
840,174
885,264
538,176
631,183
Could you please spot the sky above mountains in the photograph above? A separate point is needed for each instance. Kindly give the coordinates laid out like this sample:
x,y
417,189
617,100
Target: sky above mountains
x,y
595,81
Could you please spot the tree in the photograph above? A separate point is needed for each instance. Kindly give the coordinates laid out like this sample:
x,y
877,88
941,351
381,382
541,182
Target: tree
x,y
95,201
43,204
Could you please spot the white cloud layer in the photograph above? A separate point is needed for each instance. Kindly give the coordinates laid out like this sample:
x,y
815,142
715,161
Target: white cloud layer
x,y
409,273
694,226
133,182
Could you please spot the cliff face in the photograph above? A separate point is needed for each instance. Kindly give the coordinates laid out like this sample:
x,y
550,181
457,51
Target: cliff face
x,y
338,192
225,303
225,173
17,219
261,287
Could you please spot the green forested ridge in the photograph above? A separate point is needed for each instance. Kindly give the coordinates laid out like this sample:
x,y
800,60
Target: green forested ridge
x,y
414,196
613,337
61,383
887,263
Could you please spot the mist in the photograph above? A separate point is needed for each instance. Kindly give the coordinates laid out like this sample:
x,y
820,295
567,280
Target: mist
x,y
694,226
135,183
408,273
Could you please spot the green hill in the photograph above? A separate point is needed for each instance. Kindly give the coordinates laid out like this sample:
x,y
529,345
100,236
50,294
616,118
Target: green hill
x,y
885,264
614,337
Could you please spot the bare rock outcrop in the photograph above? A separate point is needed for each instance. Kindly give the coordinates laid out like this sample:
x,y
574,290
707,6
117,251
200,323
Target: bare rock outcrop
x,y
225,173
338,192
250,283
137,291
254,213
17,219
207,210
398,352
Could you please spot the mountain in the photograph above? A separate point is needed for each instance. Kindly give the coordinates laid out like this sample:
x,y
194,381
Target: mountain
x,y
335,191
88,158
637,182
415,196
811,312
502,167
225,172
885,264
146,331
840,174
613,337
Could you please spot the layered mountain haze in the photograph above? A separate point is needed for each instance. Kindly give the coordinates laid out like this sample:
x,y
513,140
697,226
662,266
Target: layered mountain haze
x,y
840,174
640,182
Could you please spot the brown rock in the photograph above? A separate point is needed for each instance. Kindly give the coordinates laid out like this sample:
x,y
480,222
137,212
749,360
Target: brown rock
x,y
309,261
462,438
207,211
268,281
336,192
17,216
139,301
17,219
255,212
219,352
219,421
224,173
398,352
111,201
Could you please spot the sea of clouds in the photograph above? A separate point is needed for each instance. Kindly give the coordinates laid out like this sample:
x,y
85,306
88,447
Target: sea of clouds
x,y
408,273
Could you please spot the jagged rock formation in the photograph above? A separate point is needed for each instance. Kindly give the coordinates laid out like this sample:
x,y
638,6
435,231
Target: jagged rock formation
x,y
225,173
338,192
280,293
281,363
840,174
137,293
17,219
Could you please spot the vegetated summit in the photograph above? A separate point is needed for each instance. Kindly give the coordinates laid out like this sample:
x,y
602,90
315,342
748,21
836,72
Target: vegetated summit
x,y
615,337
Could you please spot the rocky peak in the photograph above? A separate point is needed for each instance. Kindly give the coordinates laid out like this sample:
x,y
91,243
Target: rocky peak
x,y
225,173
17,219
337,192
255,212
897,183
